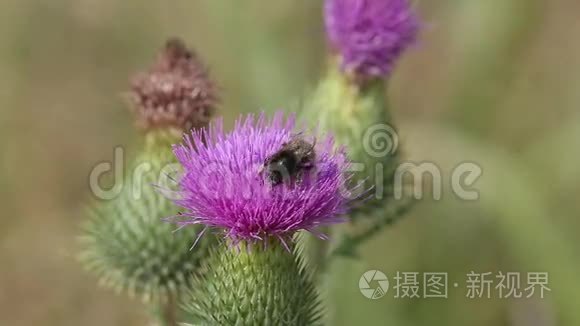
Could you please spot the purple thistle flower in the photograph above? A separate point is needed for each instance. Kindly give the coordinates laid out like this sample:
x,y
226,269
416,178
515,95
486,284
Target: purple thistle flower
x,y
225,184
370,35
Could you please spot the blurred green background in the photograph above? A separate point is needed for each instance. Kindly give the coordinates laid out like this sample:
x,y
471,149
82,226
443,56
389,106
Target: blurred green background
x,y
491,81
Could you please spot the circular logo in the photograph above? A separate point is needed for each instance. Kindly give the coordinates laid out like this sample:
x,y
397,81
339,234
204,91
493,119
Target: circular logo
x,y
381,284
380,140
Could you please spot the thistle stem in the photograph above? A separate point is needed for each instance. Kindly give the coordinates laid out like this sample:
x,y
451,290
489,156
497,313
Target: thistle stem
x,y
170,312
166,312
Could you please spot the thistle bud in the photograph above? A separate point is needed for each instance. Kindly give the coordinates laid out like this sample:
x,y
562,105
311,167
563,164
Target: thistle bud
x,y
125,241
127,245
360,120
176,92
367,37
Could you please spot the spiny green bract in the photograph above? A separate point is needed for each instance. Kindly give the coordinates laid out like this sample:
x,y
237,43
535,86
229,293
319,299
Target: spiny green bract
x,y
256,285
129,247
357,115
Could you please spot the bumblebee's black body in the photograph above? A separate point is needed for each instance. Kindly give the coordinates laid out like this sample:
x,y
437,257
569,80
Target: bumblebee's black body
x,y
289,163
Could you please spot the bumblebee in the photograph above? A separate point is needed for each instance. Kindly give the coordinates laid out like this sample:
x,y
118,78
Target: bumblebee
x,y
290,162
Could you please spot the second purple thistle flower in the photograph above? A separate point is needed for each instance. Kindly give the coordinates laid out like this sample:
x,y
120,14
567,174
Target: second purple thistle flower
x,y
264,179
370,35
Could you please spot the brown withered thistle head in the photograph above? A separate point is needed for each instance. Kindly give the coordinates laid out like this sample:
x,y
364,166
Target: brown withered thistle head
x,y
175,92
